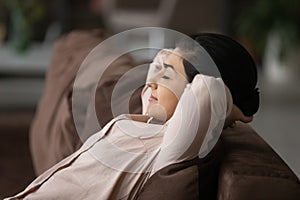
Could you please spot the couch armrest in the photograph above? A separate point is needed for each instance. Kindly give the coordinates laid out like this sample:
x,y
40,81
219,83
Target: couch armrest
x,y
252,170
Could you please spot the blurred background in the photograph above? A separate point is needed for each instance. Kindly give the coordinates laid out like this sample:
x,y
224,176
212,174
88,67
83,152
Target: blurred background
x,y
269,29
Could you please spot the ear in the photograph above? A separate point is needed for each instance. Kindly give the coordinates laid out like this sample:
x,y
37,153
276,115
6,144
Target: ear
x,y
236,115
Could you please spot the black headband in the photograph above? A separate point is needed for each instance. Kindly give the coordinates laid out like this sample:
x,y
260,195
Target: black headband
x,y
237,68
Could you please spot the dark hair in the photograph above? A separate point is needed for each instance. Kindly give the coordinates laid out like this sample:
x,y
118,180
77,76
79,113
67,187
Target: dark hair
x,y
190,70
236,66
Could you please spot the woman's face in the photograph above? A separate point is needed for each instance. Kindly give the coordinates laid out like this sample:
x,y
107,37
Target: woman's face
x,y
167,86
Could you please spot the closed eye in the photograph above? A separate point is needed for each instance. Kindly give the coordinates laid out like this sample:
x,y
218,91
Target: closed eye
x,y
165,77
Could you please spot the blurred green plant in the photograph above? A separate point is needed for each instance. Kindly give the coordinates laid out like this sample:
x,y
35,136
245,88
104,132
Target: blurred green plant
x,y
264,17
24,16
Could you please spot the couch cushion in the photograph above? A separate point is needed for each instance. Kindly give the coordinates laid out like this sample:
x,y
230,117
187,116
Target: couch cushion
x,y
53,133
195,179
252,170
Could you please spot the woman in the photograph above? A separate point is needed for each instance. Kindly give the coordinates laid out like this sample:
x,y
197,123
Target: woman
x,y
186,111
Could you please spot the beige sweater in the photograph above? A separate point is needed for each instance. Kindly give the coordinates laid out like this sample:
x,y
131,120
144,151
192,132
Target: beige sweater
x,y
116,162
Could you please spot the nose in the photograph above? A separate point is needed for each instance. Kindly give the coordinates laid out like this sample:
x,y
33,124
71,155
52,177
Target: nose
x,y
152,85
152,82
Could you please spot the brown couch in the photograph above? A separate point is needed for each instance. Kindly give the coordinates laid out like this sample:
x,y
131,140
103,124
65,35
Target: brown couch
x,y
241,166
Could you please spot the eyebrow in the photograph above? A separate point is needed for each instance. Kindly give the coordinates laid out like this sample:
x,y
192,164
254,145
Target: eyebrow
x,y
167,65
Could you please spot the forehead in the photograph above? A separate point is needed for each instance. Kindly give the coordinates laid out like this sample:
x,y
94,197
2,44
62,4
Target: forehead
x,y
176,61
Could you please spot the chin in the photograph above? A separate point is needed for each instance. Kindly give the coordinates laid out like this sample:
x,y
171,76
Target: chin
x,y
158,112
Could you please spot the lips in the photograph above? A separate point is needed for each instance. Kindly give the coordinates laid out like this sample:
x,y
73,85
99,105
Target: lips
x,y
152,98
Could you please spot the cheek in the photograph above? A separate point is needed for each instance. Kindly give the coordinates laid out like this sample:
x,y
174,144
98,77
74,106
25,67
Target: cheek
x,y
167,99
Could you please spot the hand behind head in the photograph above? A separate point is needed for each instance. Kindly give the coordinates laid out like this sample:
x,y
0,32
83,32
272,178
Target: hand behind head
x,y
236,115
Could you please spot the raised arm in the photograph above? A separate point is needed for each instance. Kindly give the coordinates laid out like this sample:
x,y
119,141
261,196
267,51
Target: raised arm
x,y
197,122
